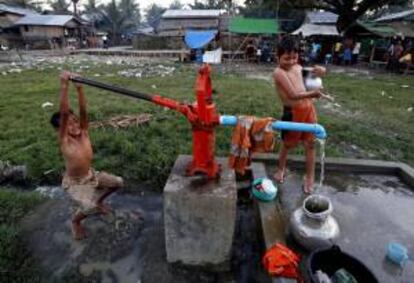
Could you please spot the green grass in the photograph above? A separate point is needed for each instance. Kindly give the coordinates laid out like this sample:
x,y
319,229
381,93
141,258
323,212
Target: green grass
x,y
381,124
16,264
383,128
380,127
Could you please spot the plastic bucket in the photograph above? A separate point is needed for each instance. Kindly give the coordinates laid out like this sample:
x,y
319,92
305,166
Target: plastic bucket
x,y
397,253
264,189
331,260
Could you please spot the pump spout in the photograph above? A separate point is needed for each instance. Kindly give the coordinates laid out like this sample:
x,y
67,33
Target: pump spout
x,y
318,130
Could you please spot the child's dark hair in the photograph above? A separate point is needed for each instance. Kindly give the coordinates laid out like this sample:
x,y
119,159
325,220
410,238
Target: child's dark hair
x,y
55,119
286,45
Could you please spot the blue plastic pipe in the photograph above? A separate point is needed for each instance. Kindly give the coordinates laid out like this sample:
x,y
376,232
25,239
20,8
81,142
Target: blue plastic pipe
x,y
318,130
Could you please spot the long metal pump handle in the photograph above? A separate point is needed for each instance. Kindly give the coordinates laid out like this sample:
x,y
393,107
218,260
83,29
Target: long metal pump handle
x,y
113,88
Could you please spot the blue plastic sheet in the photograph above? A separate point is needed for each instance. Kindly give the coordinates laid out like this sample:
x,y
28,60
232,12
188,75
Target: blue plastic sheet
x,y
198,38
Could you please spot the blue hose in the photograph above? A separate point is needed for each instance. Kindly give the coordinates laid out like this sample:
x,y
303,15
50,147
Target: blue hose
x,y
318,130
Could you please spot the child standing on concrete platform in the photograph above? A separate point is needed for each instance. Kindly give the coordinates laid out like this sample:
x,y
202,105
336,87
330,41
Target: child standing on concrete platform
x,y
297,107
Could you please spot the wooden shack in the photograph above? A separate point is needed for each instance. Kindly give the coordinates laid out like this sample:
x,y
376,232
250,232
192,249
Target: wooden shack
x,y
175,22
9,15
57,30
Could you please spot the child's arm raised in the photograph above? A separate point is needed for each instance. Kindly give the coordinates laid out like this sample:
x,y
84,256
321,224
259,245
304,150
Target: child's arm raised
x,y
64,104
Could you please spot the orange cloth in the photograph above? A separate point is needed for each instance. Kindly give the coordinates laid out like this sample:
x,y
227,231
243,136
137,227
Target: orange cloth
x,y
303,113
281,261
250,135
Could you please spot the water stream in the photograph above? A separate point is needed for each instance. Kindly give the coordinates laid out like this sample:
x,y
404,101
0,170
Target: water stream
x,y
322,143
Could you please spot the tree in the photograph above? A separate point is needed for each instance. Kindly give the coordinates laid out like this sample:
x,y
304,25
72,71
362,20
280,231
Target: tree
x,y
176,5
117,18
131,13
92,12
28,4
60,6
113,20
75,10
90,7
211,4
348,11
153,14
258,9
289,17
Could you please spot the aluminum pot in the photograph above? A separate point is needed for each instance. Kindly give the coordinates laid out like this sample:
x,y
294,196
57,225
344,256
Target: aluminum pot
x,y
312,225
310,80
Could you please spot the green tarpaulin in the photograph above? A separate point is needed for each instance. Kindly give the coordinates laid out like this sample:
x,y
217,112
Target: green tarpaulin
x,y
378,29
253,26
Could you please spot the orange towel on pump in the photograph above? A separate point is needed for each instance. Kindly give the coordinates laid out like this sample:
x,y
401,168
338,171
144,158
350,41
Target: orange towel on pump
x,y
250,135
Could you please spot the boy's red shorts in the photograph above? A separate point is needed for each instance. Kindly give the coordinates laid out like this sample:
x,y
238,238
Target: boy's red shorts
x,y
299,114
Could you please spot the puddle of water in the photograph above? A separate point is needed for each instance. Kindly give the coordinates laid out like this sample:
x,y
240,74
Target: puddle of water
x,y
372,210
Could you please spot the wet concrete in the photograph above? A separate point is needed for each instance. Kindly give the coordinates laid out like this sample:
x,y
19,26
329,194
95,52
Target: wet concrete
x,y
130,245
372,210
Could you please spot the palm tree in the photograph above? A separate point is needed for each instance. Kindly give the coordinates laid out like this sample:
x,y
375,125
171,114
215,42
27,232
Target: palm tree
x,y
90,7
75,11
117,18
59,6
153,14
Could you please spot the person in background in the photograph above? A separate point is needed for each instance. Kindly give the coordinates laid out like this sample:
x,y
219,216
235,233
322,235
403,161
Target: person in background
x,y
315,50
337,53
355,52
394,56
347,56
250,51
407,59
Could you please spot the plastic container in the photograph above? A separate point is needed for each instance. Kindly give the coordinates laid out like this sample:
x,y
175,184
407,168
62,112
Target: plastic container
x,y
331,260
264,189
397,253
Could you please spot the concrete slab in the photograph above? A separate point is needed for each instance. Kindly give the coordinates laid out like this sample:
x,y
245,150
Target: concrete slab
x,y
129,248
352,165
271,219
337,164
200,217
371,209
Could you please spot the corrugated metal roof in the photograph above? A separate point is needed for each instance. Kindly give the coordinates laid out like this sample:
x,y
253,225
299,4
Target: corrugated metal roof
x,y
311,29
378,29
403,28
322,17
395,16
17,10
45,20
145,30
192,13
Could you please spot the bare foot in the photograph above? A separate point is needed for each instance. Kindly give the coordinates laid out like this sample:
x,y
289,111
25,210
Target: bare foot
x,y
280,176
104,208
78,232
308,187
